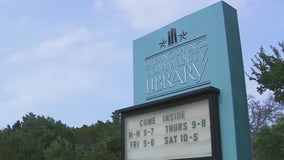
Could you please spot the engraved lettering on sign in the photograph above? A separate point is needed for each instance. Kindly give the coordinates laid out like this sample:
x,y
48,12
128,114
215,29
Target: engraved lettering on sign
x,y
182,65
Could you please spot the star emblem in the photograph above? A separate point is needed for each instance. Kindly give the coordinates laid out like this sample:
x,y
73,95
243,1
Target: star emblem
x,y
182,35
163,44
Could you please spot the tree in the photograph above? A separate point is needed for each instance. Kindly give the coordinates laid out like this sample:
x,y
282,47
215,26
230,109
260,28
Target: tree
x,y
40,138
106,140
11,145
263,113
61,149
268,72
269,144
27,139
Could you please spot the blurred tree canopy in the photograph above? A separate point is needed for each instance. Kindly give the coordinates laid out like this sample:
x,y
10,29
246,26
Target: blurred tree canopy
x,y
43,138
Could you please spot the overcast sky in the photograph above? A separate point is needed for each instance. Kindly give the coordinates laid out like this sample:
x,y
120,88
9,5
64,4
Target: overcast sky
x,y
72,60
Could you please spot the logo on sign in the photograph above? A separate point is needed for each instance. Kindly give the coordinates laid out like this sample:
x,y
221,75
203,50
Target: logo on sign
x,y
179,67
172,38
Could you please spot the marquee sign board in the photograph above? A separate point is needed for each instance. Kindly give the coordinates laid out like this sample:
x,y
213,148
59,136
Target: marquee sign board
x,y
195,52
181,127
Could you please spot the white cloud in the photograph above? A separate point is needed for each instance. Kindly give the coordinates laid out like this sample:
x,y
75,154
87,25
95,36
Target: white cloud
x,y
103,53
149,14
238,3
71,65
99,4
2,49
52,48
44,87
23,21
49,83
6,1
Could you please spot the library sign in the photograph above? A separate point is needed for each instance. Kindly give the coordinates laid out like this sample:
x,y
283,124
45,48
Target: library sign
x,y
184,126
181,72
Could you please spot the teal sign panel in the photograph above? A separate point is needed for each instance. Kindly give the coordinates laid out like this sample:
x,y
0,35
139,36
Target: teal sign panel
x,y
197,51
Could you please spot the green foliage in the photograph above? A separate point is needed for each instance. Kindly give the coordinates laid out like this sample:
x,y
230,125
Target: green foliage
x,y
29,138
11,145
100,141
268,72
43,138
107,144
61,149
269,144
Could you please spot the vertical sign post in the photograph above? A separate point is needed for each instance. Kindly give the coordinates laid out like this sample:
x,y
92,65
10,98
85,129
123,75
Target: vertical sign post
x,y
194,53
